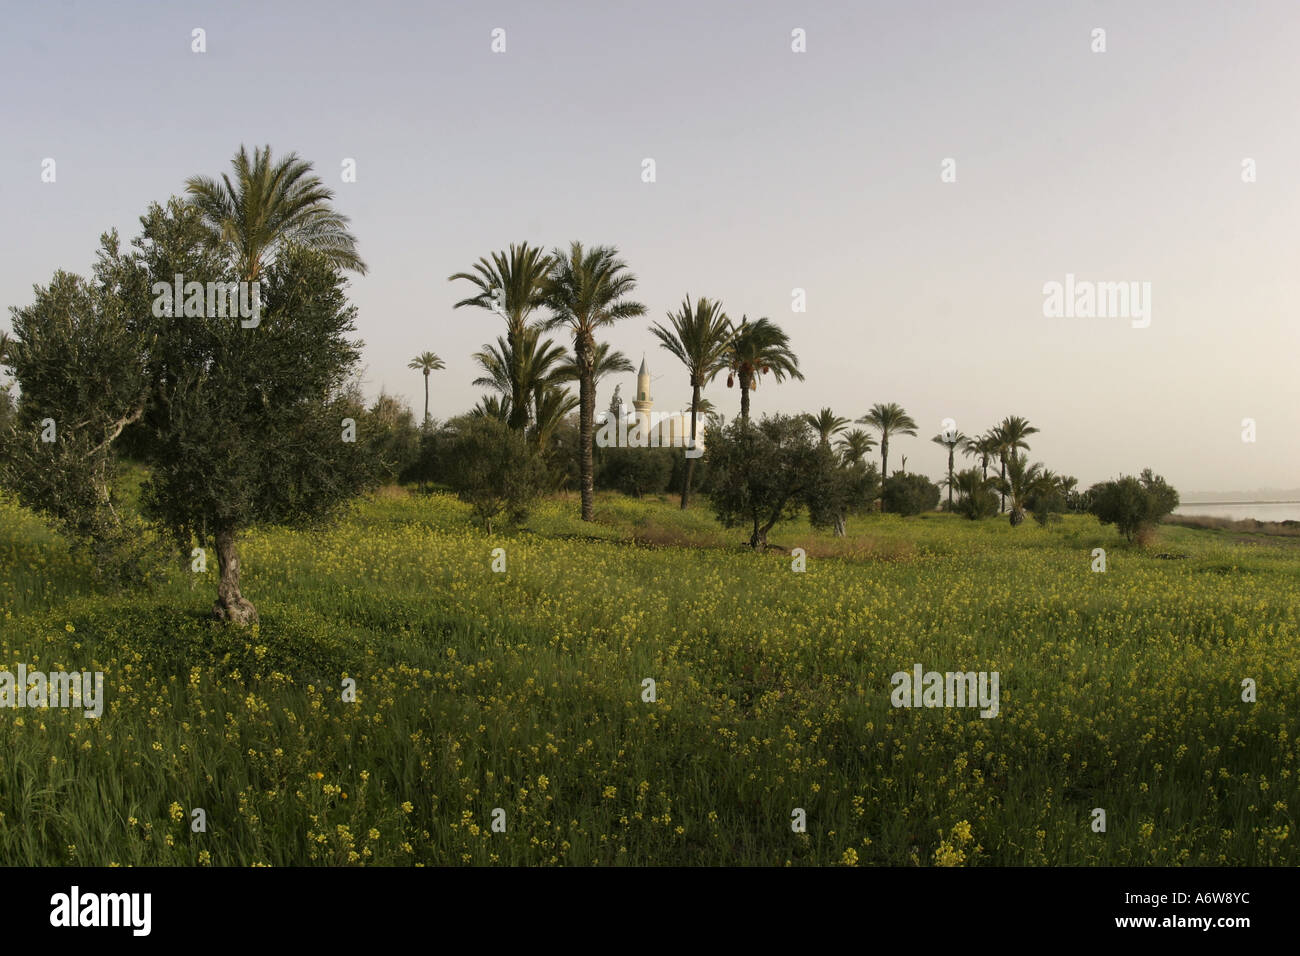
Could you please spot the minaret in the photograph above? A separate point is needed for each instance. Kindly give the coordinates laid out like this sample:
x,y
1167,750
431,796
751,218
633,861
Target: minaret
x,y
643,403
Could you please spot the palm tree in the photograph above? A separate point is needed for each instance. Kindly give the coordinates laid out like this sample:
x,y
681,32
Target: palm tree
x,y
528,370
888,419
511,284
1010,438
983,447
697,337
1020,481
587,291
426,362
551,404
493,406
754,349
855,446
268,205
826,424
950,440
973,489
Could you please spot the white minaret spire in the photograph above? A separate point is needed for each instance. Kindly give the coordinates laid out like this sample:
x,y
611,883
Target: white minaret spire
x,y
643,403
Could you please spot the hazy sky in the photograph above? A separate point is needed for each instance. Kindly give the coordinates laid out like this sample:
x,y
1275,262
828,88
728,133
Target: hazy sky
x,y
775,170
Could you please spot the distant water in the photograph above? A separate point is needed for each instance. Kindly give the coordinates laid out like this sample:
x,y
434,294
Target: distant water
x,y
1260,511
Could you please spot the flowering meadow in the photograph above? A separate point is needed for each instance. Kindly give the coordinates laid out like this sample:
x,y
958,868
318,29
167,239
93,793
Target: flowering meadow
x,y
516,696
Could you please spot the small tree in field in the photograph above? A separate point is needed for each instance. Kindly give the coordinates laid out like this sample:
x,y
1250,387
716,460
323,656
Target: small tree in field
x,y
762,474
847,487
492,467
250,425
1133,505
78,355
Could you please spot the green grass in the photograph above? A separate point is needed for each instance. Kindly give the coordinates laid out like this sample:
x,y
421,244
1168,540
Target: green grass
x,y
522,691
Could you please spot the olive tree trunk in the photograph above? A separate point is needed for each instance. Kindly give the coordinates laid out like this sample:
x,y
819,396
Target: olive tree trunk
x,y
231,606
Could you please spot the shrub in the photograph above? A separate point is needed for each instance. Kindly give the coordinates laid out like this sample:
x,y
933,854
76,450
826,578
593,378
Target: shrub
x,y
1133,505
636,471
491,467
909,494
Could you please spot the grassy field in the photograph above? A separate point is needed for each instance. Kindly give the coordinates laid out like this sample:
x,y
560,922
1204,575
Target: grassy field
x,y
522,690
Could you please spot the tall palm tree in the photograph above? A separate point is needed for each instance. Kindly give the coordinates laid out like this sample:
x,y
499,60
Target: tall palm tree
x,y
855,446
268,205
1010,438
983,447
950,440
588,290
426,362
826,424
888,419
754,349
512,284
697,337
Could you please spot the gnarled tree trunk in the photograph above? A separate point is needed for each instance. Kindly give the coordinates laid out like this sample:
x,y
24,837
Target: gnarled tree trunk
x,y
230,605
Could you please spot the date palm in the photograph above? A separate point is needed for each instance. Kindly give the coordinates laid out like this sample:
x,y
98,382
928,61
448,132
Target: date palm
x,y
983,447
975,498
888,419
950,440
528,369
855,446
513,285
267,205
426,362
1010,438
1020,481
753,350
696,336
588,290
826,424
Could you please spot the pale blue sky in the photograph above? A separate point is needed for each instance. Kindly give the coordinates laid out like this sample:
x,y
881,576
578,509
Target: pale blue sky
x,y
775,170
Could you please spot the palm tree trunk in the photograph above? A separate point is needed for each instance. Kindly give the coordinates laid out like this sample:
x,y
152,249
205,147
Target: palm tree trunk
x,y
1003,506
884,459
583,349
950,448
744,394
426,396
518,388
230,606
690,461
